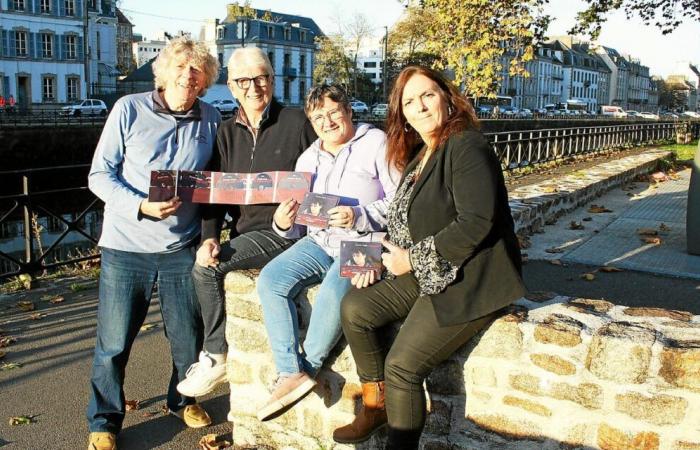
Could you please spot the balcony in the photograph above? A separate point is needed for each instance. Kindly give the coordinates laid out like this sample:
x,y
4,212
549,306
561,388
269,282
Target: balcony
x,y
290,72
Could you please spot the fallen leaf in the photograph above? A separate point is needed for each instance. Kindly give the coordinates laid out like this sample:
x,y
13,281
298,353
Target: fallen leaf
x,y
150,413
610,269
540,296
164,410
148,326
2,355
556,262
554,250
587,219
25,305
549,189
57,299
652,240
211,442
37,316
647,232
663,228
26,280
575,225
588,276
10,366
133,405
7,340
21,420
597,209
658,177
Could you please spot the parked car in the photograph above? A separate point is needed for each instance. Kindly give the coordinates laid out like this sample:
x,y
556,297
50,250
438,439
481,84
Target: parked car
x,y
225,106
633,114
649,115
612,110
692,114
87,107
380,110
359,107
668,115
508,111
525,113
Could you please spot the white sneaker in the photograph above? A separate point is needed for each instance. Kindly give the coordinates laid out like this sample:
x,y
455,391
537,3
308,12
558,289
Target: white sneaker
x,y
203,376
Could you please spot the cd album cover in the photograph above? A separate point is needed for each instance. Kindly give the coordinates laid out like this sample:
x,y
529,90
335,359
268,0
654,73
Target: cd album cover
x,y
360,257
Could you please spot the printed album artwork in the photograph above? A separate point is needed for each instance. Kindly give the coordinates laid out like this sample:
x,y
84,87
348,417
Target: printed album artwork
x,y
313,211
229,188
360,257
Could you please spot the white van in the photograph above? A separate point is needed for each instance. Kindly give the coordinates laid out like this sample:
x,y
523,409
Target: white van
x,y
610,110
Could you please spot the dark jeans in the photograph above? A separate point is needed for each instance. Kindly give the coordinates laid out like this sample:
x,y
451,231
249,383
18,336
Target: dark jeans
x,y
250,250
126,283
419,347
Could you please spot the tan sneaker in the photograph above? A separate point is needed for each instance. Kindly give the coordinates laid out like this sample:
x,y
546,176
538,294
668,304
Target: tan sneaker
x,y
194,416
102,440
286,392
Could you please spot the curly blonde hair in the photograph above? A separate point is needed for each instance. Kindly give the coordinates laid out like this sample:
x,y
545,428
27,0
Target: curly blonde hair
x,y
195,51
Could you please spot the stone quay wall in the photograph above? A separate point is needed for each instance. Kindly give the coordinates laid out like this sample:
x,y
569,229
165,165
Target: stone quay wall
x,y
554,373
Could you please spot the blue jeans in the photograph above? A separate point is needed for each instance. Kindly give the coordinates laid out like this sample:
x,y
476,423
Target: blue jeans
x,y
303,264
126,283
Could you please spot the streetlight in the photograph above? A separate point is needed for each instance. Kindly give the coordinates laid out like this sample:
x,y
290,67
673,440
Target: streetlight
x,y
384,68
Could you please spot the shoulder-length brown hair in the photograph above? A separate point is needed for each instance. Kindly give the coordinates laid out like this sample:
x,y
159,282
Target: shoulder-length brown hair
x,y
402,139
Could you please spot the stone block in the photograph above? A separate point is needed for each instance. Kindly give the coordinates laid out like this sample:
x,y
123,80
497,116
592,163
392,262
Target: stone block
x,y
511,428
610,438
680,364
447,379
559,330
527,405
659,312
436,445
313,424
656,409
241,281
249,337
503,339
685,445
483,376
587,305
239,372
577,436
621,352
244,309
588,395
526,383
553,363
482,396
439,418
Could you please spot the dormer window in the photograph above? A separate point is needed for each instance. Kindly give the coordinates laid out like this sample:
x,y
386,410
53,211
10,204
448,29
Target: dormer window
x,y
220,33
287,34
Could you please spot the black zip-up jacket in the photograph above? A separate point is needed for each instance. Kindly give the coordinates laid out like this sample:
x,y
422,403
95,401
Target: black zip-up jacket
x,y
283,135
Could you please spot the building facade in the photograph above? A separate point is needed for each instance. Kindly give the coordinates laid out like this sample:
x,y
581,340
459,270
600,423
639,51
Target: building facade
x,y
102,47
125,37
287,39
638,87
42,51
371,62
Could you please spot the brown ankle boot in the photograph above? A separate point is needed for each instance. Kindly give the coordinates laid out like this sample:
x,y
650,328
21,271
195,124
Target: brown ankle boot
x,y
370,419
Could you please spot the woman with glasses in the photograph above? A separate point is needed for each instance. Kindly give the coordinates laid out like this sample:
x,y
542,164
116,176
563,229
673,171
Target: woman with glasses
x,y
350,162
263,136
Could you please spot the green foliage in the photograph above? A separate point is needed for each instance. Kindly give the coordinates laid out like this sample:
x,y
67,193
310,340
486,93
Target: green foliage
x,y
682,152
332,65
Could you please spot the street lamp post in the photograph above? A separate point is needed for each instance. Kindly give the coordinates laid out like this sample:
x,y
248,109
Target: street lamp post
x,y
384,68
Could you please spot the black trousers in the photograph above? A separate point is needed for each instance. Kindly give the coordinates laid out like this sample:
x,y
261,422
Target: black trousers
x,y
419,347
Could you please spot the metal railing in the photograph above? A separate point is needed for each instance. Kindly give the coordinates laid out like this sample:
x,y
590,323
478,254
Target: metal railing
x,y
46,117
514,149
30,204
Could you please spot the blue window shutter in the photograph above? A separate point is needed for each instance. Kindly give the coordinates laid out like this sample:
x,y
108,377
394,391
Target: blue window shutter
x,y
79,8
79,48
6,85
61,8
35,7
11,40
31,50
3,43
54,7
59,47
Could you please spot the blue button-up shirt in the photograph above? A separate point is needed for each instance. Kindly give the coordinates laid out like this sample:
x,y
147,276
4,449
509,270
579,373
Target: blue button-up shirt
x,y
141,135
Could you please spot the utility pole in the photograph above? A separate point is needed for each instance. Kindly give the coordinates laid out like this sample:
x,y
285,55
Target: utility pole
x,y
384,68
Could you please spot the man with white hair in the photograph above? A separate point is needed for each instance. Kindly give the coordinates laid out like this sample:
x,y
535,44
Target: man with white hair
x,y
147,243
263,136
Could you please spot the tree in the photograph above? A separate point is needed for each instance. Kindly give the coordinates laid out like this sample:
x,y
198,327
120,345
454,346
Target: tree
x,y
673,95
664,14
332,65
473,37
354,32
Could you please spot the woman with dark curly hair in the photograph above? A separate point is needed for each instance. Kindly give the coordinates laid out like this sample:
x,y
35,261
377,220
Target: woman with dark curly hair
x,y
453,258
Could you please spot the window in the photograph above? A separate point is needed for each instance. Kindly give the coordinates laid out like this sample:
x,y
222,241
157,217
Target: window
x,y
18,5
270,31
21,43
286,90
271,57
70,47
220,33
48,89
46,45
45,6
287,60
287,34
98,45
302,36
302,64
302,90
70,7
72,88
370,64
92,4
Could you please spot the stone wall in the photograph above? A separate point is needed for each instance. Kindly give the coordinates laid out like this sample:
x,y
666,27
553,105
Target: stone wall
x,y
553,373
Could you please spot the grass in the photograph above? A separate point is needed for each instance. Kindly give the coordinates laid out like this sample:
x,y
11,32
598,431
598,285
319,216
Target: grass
x,y
682,152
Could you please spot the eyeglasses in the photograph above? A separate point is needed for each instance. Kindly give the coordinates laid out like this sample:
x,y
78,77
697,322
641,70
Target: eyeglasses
x,y
334,114
260,81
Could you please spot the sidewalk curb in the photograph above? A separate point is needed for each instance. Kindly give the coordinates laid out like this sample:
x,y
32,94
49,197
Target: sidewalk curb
x,y
533,205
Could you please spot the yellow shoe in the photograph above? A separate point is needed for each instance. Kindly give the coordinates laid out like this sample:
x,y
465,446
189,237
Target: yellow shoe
x,y
102,440
194,416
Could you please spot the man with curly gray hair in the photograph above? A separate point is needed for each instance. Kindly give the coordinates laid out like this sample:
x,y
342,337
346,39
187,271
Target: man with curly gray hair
x,y
146,243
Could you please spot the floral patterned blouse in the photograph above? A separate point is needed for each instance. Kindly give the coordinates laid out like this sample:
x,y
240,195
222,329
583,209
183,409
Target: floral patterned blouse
x,y
433,272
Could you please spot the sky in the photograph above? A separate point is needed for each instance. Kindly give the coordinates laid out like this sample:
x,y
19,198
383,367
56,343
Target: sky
x,y
661,53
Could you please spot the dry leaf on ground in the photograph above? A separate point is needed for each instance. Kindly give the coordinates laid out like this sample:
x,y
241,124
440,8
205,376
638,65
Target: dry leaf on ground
x,y
549,189
588,276
57,299
573,225
647,232
10,366
610,269
2,355
658,177
148,326
7,340
663,228
540,296
150,413
25,305
133,405
598,209
652,240
21,420
37,316
554,250
211,442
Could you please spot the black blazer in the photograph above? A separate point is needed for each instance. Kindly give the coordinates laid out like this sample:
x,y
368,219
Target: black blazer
x,y
461,199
